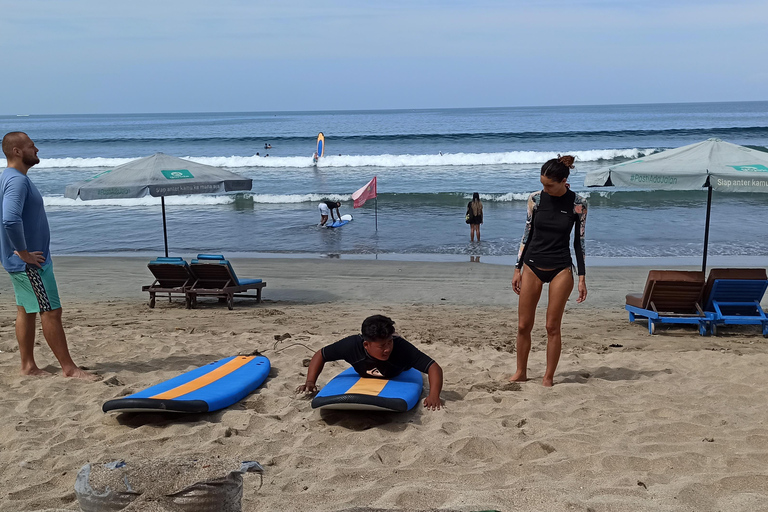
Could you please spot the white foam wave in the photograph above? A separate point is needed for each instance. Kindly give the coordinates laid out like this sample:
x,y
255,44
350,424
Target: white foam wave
x,y
523,196
196,200
59,163
298,198
386,160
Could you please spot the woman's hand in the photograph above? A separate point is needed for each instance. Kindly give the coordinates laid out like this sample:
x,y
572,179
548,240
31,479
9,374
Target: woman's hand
x,y
517,281
582,289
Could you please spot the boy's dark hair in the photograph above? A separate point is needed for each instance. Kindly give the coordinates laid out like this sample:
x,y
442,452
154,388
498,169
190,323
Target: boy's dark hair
x,y
558,168
377,327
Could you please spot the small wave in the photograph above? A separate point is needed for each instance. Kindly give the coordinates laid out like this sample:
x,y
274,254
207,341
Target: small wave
x,y
196,200
386,160
298,198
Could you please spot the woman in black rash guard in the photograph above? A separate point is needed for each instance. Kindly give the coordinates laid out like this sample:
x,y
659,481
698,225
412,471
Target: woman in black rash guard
x,y
544,257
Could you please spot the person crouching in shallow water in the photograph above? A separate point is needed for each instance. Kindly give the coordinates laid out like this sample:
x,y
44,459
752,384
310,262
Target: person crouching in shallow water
x,y
474,216
377,353
544,257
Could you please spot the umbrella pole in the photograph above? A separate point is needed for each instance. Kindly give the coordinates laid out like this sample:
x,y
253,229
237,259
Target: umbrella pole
x,y
165,230
706,228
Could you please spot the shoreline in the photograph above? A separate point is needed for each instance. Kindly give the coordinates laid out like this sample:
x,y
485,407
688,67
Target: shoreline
x,y
354,281
507,260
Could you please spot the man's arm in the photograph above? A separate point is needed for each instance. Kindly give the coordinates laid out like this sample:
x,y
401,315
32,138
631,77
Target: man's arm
x,y
14,196
435,375
313,372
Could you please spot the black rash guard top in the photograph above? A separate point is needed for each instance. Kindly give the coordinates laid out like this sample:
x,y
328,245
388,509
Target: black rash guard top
x,y
548,231
403,356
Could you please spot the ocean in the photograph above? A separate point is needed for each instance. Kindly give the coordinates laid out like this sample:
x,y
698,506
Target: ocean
x,y
427,163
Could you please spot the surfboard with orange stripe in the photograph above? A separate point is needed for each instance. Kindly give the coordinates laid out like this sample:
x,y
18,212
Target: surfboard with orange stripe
x,y
209,388
348,390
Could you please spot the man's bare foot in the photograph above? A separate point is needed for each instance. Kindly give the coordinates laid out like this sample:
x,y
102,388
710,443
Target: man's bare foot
x,y
547,382
518,377
36,372
78,373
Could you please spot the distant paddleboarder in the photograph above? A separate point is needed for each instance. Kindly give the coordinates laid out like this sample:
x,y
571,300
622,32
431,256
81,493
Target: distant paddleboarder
x,y
320,148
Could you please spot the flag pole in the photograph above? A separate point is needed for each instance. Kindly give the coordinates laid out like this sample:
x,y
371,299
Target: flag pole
x,y
376,211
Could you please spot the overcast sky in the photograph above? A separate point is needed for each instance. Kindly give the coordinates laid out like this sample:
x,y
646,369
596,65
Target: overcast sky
x,y
101,56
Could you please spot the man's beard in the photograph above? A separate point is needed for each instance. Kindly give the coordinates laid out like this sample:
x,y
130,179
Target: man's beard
x,y
31,160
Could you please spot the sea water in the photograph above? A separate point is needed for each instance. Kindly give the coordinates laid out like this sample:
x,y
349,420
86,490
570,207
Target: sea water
x,y
427,163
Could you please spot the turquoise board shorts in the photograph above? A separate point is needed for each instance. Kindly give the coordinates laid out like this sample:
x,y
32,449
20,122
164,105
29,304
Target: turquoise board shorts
x,y
36,289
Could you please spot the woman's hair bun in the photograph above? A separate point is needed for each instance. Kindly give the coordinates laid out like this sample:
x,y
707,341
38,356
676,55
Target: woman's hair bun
x,y
566,160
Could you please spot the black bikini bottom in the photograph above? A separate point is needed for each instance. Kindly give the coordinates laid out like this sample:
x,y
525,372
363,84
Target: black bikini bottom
x,y
546,276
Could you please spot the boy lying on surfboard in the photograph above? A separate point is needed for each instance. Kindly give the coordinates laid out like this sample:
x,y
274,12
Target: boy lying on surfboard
x,y
377,353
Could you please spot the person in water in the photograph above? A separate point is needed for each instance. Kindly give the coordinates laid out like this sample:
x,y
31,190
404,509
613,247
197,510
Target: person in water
x,y
544,257
474,216
378,353
326,208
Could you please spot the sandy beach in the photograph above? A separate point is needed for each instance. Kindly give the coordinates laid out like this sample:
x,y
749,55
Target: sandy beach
x,y
634,422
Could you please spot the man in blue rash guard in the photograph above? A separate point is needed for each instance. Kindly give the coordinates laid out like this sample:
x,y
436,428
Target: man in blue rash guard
x,y
25,253
377,353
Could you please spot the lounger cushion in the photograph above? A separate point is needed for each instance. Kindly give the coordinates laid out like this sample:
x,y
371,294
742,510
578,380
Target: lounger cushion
x,y
168,261
248,281
210,256
635,299
682,276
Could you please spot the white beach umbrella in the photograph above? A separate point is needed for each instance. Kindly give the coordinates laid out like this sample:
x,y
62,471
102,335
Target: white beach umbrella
x,y
713,163
158,175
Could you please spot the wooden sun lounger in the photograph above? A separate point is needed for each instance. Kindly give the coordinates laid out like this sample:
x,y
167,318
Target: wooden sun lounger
x,y
215,277
733,295
172,276
670,297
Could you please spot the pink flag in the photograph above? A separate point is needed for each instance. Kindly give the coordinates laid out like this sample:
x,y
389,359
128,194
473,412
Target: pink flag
x,y
365,193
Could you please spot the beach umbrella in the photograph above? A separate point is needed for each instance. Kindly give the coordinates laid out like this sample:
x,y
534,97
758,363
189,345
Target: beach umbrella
x,y
158,175
713,163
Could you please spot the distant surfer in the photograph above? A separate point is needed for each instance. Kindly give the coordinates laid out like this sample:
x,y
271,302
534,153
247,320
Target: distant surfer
x,y
314,158
326,208
377,353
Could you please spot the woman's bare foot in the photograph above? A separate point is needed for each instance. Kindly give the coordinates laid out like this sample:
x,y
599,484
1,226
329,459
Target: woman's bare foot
x,y
518,377
36,372
548,382
78,373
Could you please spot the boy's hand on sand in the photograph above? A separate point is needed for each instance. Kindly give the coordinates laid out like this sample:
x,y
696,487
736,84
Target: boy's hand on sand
x,y
307,389
433,404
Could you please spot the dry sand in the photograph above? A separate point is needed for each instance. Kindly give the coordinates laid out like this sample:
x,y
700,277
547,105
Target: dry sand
x,y
667,422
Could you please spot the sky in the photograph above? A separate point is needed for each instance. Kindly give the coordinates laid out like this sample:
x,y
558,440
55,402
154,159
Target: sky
x,y
140,56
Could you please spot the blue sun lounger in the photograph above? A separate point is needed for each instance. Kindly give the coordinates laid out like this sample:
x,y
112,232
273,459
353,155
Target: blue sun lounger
x,y
733,297
670,297
215,277
172,276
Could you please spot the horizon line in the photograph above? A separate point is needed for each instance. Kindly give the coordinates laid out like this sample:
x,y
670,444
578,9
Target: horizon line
x,y
420,109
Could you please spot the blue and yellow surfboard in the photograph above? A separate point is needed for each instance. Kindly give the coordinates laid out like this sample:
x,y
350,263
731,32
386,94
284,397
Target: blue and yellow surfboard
x,y
209,388
320,144
348,390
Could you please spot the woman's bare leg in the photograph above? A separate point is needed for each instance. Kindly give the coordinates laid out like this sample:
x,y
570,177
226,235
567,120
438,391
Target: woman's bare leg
x,y
530,293
559,290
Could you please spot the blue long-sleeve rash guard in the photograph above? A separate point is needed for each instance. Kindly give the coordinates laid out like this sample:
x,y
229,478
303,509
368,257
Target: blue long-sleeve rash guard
x,y
24,223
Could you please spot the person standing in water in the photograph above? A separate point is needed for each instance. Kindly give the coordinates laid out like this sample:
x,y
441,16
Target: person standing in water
x,y
474,216
544,257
